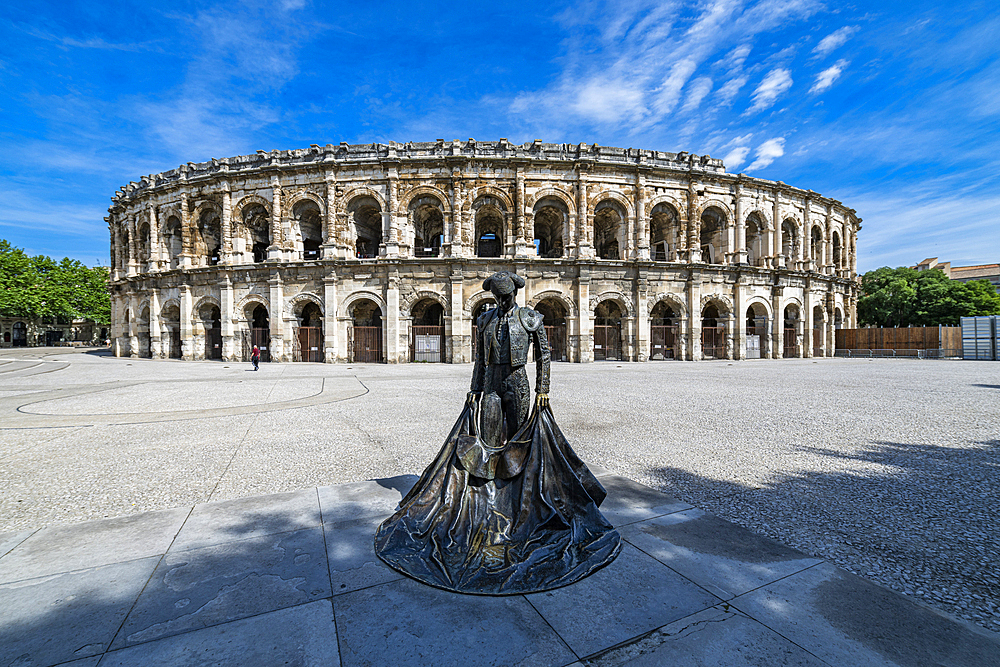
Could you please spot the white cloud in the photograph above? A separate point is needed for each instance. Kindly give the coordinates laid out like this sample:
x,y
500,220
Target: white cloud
x,y
826,78
736,157
767,153
729,90
834,40
770,89
667,96
697,91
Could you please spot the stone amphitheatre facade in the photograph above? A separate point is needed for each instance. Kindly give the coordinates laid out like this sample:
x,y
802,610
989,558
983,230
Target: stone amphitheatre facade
x,y
377,252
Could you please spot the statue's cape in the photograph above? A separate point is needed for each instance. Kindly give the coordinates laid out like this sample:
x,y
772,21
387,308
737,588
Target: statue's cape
x,y
533,527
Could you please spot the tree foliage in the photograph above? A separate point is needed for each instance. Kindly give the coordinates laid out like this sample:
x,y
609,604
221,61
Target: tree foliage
x,y
32,287
907,297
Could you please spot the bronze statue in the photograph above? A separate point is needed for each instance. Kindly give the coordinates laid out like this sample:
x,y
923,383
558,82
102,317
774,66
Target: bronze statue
x,y
506,507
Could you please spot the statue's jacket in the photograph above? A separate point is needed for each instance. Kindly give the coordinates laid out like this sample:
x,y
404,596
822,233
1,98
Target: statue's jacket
x,y
525,329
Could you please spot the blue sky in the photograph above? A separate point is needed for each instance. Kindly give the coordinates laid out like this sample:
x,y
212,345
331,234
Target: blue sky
x,y
891,107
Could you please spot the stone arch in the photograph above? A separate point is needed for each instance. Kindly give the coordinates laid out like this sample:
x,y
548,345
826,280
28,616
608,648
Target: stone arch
x,y
556,193
718,300
761,301
247,201
207,299
361,295
361,191
613,295
608,233
304,194
252,299
613,195
556,295
665,199
294,305
170,303
208,204
424,190
490,191
792,301
420,295
675,301
664,229
706,204
491,218
473,302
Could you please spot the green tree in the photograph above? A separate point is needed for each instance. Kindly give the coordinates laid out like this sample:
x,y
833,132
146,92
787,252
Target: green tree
x,y
18,283
903,297
889,297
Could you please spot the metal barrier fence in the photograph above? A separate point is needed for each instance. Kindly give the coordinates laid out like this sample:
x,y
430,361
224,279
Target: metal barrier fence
x,y
898,354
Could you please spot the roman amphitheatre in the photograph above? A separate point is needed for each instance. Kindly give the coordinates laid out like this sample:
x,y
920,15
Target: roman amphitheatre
x,y
377,253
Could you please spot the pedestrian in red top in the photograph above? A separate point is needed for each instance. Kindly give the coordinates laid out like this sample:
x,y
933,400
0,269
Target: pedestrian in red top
x,y
255,357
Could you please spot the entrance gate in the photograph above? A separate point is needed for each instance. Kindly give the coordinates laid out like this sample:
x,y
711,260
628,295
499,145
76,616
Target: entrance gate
x,y
427,343
713,342
175,344
557,342
20,338
607,342
261,338
365,344
753,346
213,343
309,344
791,349
661,342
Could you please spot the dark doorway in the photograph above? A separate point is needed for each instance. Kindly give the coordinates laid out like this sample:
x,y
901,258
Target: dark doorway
x,y
20,332
309,335
365,334
662,332
260,333
427,332
713,334
554,319
608,332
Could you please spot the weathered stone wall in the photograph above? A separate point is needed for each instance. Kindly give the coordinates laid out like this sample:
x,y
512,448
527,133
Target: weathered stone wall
x,y
395,227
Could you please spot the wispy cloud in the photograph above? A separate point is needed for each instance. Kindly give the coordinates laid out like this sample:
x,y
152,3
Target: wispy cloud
x,y
770,89
834,40
768,152
826,78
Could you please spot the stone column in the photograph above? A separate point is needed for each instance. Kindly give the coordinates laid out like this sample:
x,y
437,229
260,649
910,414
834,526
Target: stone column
x,y
333,237
521,244
133,259
830,269
694,315
330,309
227,316
777,325
739,332
454,238
585,345
277,318
807,319
694,231
584,222
390,244
227,229
642,317
392,332
155,341
461,335
804,258
133,326
187,328
154,239
642,220
274,250
741,229
779,259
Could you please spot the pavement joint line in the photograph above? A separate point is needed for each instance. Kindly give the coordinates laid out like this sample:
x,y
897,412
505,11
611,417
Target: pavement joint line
x,y
554,631
679,574
30,533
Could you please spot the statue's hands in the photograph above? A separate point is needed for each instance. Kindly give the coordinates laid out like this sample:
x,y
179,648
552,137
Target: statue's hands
x,y
542,400
473,396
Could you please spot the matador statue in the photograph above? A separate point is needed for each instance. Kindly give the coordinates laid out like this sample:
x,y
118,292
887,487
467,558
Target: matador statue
x,y
506,507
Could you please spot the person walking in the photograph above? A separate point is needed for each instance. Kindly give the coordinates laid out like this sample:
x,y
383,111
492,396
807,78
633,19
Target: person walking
x,y
255,357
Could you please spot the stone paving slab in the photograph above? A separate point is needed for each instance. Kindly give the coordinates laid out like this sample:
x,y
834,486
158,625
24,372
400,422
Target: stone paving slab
x,y
293,577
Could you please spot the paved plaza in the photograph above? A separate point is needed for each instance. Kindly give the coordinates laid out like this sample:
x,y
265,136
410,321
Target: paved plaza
x,y
167,512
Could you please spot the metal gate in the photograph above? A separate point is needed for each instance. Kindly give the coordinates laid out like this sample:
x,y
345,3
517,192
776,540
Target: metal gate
x,y
213,343
607,342
175,344
791,349
308,344
366,344
262,339
661,342
557,342
20,333
427,343
713,342
753,346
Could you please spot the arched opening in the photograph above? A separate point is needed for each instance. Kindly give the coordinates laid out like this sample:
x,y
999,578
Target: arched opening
x,y
819,331
142,333
554,319
260,333
756,330
428,226
816,248
663,324
427,331
790,339
837,251
208,245
366,216
838,319
789,240
308,228
608,227
549,220
126,338
713,333
365,335
755,239
211,328
19,335
608,331
173,240
484,305
170,332
308,336
713,222
489,229
255,234
143,237
664,232
125,251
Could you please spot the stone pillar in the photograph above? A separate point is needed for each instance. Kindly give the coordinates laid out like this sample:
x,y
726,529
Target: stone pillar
x,y
461,333
694,315
133,328
739,332
330,325
776,215
642,221
585,345
642,317
227,231
155,340
694,232
807,318
277,318
521,245
584,222
133,260
392,332
227,316
187,328
154,239
777,325
803,255
390,244
456,248
274,250
187,235
830,269
740,256
333,237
